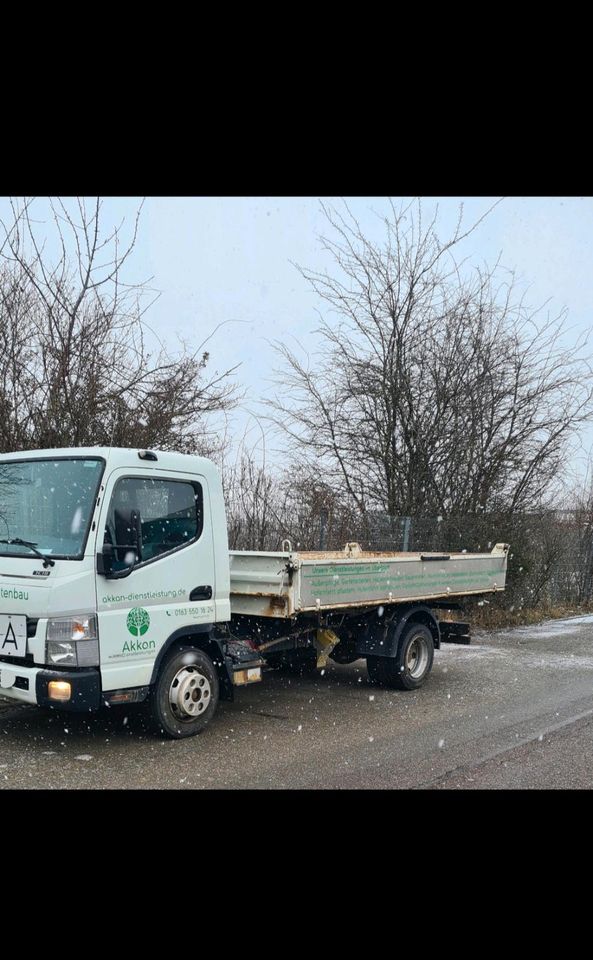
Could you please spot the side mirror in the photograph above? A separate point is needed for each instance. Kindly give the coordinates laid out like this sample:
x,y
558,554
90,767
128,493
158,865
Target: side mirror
x,y
109,553
105,564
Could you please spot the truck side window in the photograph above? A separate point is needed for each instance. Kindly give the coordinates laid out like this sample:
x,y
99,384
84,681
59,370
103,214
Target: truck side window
x,y
171,515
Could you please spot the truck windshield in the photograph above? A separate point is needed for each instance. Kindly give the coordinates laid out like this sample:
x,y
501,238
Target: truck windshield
x,y
49,503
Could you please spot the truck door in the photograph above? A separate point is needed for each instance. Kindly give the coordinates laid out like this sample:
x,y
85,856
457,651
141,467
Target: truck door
x,y
164,523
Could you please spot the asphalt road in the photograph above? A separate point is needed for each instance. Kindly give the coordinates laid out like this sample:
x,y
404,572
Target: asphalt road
x,y
513,710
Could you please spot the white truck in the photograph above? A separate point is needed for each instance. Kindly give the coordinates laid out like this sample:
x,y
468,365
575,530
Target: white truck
x,y
117,587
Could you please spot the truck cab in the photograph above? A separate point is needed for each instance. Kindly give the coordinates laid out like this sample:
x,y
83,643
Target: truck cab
x,y
112,561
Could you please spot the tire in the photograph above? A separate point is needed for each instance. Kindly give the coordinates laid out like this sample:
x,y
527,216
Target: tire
x,y
409,669
185,696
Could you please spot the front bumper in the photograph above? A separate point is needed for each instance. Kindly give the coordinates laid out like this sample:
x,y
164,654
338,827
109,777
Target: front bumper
x,y
30,685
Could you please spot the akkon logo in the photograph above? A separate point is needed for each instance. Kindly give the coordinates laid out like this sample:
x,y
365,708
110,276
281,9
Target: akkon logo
x,y
138,621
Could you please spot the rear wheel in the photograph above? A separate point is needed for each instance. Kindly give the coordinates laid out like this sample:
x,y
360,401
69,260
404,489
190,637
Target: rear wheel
x,y
185,696
410,667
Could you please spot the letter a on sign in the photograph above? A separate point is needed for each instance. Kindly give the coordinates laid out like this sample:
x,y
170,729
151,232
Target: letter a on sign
x,y
10,637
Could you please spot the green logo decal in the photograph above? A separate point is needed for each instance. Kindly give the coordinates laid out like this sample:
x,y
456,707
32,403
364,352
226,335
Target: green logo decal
x,y
138,621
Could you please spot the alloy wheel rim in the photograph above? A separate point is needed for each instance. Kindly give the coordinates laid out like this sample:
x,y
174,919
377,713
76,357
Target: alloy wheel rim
x,y
189,694
417,657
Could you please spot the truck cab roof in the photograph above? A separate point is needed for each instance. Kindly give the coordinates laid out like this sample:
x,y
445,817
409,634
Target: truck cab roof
x,y
121,457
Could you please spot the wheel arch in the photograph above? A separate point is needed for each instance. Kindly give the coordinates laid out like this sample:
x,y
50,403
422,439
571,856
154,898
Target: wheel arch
x,y
425,617
382,638
200,636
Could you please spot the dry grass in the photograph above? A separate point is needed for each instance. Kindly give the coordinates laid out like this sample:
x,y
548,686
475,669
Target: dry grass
x,y
491,616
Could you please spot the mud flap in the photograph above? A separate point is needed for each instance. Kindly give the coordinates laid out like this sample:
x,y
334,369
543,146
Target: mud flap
x,y
325,641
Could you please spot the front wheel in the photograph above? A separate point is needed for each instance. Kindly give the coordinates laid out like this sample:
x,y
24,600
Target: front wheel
x,y
185,696
410,667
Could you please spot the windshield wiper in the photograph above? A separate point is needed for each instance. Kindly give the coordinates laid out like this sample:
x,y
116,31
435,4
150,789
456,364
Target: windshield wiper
x,y
47,561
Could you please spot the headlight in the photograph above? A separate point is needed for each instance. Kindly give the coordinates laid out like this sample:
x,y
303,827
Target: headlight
x,y
73,641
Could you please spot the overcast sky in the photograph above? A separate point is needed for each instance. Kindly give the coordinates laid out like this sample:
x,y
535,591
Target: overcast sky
x,y
229,259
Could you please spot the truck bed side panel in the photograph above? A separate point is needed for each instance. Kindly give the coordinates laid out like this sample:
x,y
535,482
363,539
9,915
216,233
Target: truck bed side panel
x,y
285,584
261,586
350,582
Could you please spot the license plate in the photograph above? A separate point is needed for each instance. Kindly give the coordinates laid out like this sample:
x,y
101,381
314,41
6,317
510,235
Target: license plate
x,y
13,636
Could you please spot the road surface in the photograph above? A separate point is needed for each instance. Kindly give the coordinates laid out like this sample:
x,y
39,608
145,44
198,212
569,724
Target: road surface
x,y
513,710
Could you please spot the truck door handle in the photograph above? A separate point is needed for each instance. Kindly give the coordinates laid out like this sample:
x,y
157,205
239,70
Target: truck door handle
x,y
201,593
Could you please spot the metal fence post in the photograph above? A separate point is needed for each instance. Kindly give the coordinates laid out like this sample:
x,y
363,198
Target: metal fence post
x,y
406,544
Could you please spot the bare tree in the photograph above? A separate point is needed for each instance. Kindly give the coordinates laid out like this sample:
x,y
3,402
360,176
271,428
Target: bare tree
x,y
252,499
432,388
576,513
265,508
78,362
